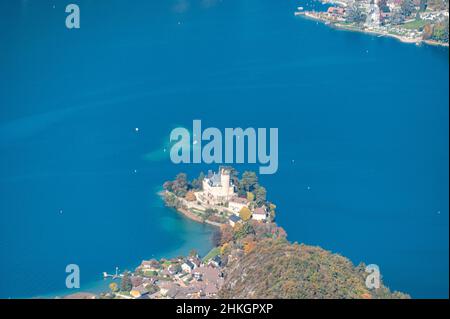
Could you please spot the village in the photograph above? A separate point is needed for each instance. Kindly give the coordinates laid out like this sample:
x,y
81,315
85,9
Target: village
x,y
214,199
412,21
177,278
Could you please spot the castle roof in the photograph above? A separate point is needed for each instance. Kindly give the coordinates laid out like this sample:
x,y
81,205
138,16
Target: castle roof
x,y
214,179
260,211
240,200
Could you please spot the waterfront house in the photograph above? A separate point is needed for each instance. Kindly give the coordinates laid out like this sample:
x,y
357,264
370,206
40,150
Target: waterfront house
x,y
196,261
150,265
215,261
234,220
236,204
260,213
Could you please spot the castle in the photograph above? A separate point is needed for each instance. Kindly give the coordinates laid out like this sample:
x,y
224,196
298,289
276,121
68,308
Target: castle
x,y
217,188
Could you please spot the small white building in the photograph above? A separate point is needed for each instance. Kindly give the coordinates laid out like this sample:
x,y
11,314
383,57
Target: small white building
x,y
236,204
187,266
260,213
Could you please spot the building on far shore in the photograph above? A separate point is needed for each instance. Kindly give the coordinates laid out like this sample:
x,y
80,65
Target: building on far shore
x,y
217,188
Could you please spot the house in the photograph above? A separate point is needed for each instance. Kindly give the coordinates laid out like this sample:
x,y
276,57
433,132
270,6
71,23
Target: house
x,y
210,283
165,287
234,220
173,269
150,265
215,261
136,281
196,261
260,213
339,11
236,204
198,276
187,266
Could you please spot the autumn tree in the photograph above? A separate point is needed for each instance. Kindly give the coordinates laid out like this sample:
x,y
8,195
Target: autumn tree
x,y
113,287
226,232
245,213
217,238
249,246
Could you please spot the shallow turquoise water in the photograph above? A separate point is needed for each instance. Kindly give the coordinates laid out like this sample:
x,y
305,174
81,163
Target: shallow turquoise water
x,y
365,120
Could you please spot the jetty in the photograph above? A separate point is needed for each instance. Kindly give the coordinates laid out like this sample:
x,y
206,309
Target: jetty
x,y
113,276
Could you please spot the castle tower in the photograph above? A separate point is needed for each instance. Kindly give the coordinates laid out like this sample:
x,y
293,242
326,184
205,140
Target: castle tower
x,y
225,181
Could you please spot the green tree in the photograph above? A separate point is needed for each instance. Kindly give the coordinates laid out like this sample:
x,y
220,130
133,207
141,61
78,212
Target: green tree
x,y
197,183
407,8
260,196
193,253
126,284
180,185
354,14
243,231
440,32
168,186
249,181
272,208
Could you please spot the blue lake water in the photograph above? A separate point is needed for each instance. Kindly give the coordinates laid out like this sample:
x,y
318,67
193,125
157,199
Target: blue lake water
x,y
363,134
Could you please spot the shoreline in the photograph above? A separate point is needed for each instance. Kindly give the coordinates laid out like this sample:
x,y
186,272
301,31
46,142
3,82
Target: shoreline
x,y
342,27
186,213
101,285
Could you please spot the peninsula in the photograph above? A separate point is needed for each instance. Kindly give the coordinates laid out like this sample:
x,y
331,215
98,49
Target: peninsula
x,y
251,258
410,21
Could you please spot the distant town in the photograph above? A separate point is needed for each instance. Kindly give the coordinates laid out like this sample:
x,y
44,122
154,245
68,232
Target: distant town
x,y
412,21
